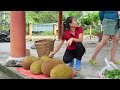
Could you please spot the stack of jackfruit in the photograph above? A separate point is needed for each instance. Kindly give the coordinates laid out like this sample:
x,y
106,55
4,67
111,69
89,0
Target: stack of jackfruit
x,y
51,67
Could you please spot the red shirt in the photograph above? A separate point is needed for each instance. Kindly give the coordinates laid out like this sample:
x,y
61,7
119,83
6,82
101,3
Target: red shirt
x,y
68,34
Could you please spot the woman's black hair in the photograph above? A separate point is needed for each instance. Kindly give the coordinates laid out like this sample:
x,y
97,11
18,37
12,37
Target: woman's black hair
x,y
67,22
66,25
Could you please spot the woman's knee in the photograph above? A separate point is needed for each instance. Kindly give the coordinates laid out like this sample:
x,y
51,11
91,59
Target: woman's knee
x,y
116,40
105,39
80,47
67,59
103,42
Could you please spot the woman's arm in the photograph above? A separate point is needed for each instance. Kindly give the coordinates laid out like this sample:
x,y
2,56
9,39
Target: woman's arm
x,y
79,39
57,48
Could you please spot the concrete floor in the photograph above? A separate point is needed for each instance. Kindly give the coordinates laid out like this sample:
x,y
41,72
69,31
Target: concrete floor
x,y
86,68
3,76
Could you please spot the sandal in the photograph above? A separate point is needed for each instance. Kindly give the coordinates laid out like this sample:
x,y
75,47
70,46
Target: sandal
x,y
117,62
76,73
93,62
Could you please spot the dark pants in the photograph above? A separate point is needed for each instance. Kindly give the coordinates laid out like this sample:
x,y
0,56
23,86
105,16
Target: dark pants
x,y
77,53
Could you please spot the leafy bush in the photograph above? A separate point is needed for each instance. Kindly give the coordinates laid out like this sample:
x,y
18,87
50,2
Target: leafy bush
x,y
93,32
113,74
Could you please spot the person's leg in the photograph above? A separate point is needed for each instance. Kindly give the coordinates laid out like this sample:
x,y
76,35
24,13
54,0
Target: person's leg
x,y
68,58
78,64
115,42
79,52
71,64
109,27
104,40
114,47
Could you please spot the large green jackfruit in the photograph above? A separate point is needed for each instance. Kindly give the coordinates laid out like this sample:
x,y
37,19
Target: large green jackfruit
x,y
35,67
61,71
58,60
45,58
47,66
27,61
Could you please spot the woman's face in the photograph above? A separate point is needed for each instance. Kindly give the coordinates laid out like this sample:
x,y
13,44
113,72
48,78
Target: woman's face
x,y
74,23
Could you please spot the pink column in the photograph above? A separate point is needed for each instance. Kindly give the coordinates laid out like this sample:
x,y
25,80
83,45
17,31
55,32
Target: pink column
x,y
17,33
59,24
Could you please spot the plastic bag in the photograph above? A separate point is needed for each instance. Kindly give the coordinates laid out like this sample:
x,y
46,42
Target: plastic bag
x,y
109,66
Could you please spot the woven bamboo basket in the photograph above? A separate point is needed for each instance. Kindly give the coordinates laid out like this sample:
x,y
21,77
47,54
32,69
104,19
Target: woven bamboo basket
x,y
44,46
27,52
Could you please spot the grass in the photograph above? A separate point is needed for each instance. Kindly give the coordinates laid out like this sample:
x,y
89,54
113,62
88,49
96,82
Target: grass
x,y
93,32
50,33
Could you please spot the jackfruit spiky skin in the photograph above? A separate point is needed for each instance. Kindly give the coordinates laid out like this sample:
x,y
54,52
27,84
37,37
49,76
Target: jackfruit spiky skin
x,y
58,60
27,61
61,71
46,58
47,66
35,67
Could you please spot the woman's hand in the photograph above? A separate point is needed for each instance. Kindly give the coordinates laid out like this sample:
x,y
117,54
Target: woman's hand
x,y
56,49
69,42
51,54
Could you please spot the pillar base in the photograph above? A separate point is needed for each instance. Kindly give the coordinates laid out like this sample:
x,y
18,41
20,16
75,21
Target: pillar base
x,y
14,62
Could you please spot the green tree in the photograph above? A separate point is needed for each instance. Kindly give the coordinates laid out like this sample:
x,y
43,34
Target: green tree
x,y
75,14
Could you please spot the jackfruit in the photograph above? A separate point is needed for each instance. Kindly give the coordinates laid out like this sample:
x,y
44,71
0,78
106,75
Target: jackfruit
x,y
45,58
27,61
58,60
47,66
35,67
61,71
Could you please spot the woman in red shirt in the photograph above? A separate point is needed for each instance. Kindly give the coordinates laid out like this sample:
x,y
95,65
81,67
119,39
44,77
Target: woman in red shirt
x,y
73,34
